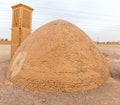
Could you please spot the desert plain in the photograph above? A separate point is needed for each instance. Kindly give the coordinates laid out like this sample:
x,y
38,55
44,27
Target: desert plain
x,y
106,94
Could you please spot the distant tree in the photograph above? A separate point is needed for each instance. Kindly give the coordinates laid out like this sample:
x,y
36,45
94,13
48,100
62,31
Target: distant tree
x,y
6,39
2,39
108,42
103,42
98,42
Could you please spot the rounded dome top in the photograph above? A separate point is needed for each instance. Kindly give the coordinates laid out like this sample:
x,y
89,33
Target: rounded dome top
x,y
58,57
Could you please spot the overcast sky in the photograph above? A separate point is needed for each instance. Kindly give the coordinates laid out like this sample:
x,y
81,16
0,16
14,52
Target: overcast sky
x,y
98,18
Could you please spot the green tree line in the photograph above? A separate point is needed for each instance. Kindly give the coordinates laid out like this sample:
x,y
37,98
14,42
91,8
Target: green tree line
x,y
4,39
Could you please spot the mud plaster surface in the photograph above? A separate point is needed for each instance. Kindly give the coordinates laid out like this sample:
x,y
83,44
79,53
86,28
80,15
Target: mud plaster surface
x,y
107,94
58,57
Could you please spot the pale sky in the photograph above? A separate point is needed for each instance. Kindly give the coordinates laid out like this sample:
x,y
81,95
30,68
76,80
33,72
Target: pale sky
x,y
97,18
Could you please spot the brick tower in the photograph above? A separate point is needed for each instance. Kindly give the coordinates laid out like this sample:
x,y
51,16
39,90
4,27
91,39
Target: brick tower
x,y
21,25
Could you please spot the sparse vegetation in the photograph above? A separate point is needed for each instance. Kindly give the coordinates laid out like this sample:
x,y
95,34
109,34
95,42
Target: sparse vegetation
x,y
1,39
4,39
108,42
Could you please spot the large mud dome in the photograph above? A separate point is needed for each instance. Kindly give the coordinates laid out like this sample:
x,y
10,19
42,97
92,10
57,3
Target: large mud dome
x,y
106,94
58,57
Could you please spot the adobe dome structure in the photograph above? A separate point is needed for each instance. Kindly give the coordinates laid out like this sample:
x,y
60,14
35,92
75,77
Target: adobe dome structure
x,y
58,57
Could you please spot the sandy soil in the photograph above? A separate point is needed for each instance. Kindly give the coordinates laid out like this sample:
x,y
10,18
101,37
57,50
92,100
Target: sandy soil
x,y
112,53
107,94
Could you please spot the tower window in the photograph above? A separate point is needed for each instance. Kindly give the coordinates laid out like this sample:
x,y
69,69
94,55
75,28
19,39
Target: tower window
x,y
26,19
16,18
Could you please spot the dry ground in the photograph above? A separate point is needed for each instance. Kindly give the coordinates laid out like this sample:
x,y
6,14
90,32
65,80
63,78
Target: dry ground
x,y
112,53
107,94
